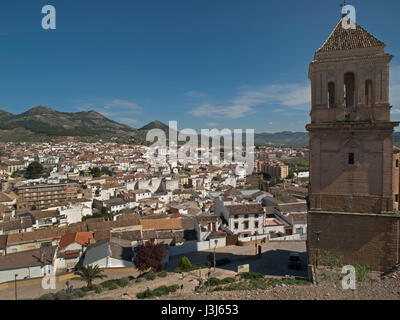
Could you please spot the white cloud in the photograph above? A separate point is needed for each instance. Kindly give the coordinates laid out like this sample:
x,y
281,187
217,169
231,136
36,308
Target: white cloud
x,y
290,96
119,103
117,109
233,112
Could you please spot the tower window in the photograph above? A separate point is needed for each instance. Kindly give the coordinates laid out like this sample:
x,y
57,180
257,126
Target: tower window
x,y
351,158
331,94
349,88
368,93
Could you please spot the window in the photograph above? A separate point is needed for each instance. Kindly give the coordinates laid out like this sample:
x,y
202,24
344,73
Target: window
x,y
256,224
256,216
245,225
351,158
236,217
368,93
349,88
396,198
331,94
397,163
246,216
236,225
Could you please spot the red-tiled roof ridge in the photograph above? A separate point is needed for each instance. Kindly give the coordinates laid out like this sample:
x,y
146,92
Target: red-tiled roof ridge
x,y
348,39
80,237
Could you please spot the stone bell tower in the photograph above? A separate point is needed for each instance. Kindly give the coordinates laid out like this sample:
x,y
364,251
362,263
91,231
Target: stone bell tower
x,y
351,150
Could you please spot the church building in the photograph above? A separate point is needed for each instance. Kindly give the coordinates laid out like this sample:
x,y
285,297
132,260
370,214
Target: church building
x,y
354,174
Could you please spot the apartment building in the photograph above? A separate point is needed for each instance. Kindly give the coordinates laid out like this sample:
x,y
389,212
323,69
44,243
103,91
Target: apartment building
x,y
276,169
44,195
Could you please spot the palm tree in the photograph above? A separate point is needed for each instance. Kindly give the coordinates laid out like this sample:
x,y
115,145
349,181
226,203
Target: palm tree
x,y
89,273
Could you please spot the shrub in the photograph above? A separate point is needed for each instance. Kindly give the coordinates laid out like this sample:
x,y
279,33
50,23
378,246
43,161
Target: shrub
x,y
80,293
131,278
157,292
105,284
173,288
98,289
362,272
160,291
123,282
89,288
163,274
139,280
251,275
144,294
62,295
150,276
47,296
110,285
185,264
213,282
228,280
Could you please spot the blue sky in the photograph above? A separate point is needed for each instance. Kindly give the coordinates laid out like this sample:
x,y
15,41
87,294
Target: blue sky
x,y
205,63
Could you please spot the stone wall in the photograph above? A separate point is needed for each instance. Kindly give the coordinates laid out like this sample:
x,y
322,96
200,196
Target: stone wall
x,y
369,239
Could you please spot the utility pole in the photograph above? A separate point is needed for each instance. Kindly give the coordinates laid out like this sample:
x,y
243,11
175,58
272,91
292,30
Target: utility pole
x,y
317,234
215,248
15,285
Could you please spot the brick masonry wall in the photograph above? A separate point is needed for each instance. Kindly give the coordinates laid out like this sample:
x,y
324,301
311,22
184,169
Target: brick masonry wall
x,y
371,240
351,203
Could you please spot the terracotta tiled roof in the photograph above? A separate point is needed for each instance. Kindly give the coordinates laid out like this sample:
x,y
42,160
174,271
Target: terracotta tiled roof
x,y
27,258
3,241
292,207
348,39
161,224
245,209
39,214
272,222
131,235
206,218
126,220
80,237
102,234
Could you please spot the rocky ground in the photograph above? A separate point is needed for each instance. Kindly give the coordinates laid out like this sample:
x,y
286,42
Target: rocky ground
x,y
376,287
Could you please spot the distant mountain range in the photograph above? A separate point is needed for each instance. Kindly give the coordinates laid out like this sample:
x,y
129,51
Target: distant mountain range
x,y
44,124
41,124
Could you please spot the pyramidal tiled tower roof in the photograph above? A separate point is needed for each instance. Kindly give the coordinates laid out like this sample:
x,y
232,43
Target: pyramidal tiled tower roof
x,y
347,39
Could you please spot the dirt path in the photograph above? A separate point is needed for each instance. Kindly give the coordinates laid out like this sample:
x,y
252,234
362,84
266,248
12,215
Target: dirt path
x,y
387,288
189,281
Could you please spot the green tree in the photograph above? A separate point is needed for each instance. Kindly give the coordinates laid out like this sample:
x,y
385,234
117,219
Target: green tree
x,y
185,264
34,169
15,174
89,273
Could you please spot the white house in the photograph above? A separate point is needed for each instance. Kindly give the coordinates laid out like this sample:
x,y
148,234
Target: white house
x,y
108,254
245,219
26,264
141,194
71,248
205,225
